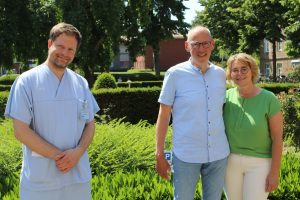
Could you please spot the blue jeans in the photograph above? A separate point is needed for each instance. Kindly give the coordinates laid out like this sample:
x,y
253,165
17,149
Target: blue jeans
x,y
186,176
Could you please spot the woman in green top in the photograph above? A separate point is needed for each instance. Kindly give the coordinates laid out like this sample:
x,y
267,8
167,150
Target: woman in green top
x,y
254,127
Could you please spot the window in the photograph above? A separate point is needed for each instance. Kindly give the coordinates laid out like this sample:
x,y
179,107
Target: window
x,y
279,69
279,46
268,70
266,46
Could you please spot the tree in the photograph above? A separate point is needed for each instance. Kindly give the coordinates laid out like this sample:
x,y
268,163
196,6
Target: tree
x,y
292,31
162,26
223,20
154,21
242,24
264,20
24,29
100,25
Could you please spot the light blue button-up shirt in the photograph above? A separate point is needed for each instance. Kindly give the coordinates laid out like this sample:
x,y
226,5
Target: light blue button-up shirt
x,y
197,102
53,108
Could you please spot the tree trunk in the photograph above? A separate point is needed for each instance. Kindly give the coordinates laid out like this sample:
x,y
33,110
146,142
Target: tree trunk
x,y
274,60
156,60
89,75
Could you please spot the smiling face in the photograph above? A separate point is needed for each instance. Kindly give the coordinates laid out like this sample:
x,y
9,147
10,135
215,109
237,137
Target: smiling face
x,y
200,45
240,73
61,51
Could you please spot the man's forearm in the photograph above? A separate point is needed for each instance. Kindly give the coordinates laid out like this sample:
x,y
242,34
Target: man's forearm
x,y
33,141
87,136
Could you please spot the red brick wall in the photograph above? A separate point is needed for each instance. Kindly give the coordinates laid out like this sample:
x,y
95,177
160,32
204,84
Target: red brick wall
x,y
171,52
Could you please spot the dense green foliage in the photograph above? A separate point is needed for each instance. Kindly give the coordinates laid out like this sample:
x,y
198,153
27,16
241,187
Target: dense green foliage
x,y
291,114
3,100
140,84
105,80
241,25
132,104
123,147
289,188
5,88
24,29
164,18
122,161
136,76
8,79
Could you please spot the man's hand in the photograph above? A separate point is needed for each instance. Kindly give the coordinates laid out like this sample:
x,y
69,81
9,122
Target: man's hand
x,y
163,167
66,160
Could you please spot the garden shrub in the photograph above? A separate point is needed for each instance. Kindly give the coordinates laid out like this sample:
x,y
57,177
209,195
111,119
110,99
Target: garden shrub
x,y
140,84
122,161
3,100
10,158
105,80
5,87
291,114
135,76
289,186
8,79
132,104
119,146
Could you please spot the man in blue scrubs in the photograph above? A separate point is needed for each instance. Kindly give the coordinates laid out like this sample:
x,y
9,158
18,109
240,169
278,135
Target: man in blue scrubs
x,y
53,117
194,92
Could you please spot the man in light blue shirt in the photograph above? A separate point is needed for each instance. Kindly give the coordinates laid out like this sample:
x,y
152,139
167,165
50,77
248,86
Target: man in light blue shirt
x,y
194,93
53,116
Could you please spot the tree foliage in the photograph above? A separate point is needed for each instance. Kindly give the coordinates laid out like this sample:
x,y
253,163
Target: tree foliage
x,y
24,28
292,31
154,21
100,25
243,24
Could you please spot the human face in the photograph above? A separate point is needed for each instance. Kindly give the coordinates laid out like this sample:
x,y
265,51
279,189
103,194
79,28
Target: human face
x,y
200,46
241,73
61,51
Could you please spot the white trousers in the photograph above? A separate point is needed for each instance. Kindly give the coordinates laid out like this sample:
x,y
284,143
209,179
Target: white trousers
x,y
245,177
79,191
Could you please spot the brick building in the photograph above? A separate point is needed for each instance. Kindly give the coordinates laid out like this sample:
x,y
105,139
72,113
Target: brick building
x,y
284,64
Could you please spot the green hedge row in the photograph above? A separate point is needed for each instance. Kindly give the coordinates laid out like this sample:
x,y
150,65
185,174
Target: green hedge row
x,y
140,84
3,100
133,76
132,104
8,79
135,104
5,87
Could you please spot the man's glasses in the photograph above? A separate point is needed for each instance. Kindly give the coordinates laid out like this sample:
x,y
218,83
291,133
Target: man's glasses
x,y
197,45
243,70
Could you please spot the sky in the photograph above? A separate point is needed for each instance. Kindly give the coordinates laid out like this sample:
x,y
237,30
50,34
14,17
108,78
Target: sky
x,y
190,12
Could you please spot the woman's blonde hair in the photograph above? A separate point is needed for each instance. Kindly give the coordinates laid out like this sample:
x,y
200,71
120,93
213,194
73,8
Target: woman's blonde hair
x,y
245,59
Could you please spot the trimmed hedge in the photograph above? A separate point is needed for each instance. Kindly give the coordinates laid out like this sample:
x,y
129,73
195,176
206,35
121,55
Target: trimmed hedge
x,y
276,88
8,79
105,80
3,100
140,84
5,87
132,104
134,76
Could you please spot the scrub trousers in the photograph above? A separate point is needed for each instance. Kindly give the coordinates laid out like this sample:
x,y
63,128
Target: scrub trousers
x,y
78,191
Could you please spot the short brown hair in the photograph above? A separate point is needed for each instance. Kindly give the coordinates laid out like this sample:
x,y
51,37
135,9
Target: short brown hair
x,y
245,59
68,29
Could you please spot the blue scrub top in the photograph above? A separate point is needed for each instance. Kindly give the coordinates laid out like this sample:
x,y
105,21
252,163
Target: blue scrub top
x,y
53,108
